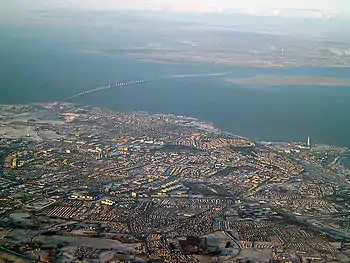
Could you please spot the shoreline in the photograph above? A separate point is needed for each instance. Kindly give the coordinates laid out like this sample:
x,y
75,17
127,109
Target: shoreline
x,y
275,80
190,121
181,57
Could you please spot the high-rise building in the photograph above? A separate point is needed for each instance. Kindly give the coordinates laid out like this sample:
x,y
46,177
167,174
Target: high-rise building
x,y
308,141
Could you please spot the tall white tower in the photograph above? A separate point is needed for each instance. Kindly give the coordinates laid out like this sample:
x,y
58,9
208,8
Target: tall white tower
x,y
309,142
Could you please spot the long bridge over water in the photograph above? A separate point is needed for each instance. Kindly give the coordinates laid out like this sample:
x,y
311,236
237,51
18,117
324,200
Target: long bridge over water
x,y
141,82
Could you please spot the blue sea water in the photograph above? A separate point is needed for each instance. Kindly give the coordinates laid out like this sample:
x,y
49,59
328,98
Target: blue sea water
x,y
50,66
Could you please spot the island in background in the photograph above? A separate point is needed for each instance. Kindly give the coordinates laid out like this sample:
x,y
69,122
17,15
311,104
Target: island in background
x,y
290,80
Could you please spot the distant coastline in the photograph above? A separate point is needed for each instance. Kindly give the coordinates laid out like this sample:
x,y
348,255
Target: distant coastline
x,y
220,57
288,80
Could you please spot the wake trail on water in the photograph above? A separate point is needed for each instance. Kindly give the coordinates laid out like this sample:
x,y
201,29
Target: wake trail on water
x,y
142,82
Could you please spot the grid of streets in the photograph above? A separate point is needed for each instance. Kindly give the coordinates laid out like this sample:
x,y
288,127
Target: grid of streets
x,y
92,185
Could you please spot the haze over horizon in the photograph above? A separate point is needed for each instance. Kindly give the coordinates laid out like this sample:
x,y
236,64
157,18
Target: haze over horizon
x,y
314,8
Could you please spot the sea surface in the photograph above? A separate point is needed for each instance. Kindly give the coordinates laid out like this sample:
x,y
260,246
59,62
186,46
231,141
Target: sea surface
x,y
346,161
50,65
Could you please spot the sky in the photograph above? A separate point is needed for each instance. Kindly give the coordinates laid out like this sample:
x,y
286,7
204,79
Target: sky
x,y
250,6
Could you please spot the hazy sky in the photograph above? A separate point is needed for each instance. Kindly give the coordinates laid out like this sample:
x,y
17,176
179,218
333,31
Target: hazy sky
x,y
334,6
202,5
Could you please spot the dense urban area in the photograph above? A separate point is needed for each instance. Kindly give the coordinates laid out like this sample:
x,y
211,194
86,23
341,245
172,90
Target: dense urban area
x,y
83,184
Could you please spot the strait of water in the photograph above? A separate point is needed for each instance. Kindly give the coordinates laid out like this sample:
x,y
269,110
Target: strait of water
x,y
50,66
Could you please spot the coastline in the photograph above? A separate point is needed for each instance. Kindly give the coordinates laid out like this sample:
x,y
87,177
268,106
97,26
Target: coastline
x,y
274,80
194,122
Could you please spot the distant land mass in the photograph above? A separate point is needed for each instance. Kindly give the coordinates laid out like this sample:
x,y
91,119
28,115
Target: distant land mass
x,y
236,58
228,44
241,50
290,80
